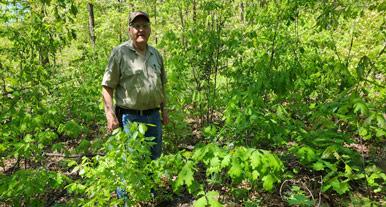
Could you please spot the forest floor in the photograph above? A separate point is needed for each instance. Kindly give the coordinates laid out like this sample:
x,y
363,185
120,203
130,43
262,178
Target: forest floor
x,y
310,183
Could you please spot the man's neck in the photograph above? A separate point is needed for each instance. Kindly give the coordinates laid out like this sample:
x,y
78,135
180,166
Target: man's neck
x,y
141,48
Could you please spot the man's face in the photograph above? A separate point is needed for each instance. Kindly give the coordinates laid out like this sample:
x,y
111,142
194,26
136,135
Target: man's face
x,y
140,30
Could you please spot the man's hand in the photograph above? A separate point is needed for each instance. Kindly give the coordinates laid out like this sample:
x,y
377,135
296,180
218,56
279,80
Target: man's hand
x,y
165,117
112,121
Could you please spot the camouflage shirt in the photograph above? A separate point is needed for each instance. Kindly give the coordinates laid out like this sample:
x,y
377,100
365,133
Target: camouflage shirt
x,y
136,79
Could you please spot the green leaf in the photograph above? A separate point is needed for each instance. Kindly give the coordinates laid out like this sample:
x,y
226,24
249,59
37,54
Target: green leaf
x,y
185,176
306,154
210,131
256,159
362,131
380,133
348,170
226,161
28,138
300,200
361,107
3,148
318,166
212,197
236,170
201,202
329,152
71,129
338,186
268,181
59,179
381,121
363,63
81,171
142,128
215,166
255,174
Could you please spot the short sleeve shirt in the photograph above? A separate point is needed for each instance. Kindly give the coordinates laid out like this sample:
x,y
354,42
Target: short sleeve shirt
x,y
136,79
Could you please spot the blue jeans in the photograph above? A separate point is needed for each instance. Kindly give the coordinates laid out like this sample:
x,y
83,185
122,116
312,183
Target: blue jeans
x,y
152,131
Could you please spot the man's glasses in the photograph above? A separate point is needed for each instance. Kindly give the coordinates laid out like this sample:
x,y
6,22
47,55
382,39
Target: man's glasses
x,y
141,26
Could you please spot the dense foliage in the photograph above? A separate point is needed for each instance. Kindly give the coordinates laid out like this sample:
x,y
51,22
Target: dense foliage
x,y
271,103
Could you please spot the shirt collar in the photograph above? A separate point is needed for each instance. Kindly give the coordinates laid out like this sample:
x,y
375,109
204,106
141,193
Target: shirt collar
x,y
131,47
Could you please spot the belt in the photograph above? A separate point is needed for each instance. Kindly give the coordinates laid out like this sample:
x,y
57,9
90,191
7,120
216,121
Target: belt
x,y
136,112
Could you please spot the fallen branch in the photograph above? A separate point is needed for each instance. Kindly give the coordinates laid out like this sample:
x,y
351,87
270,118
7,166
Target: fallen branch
x,y
320,191
281,188
73,155
309,191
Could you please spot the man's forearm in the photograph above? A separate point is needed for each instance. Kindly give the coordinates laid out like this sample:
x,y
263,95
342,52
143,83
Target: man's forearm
x,y
107,94
163,103
164,113
163,106
112,121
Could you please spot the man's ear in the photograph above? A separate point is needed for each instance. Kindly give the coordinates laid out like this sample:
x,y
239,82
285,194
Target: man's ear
x,y
129,31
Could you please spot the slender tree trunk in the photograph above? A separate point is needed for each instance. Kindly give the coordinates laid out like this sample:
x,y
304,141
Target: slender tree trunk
x,y
219,25
297,49
122,24
351,44
43,56
271,62
194,10
242,11
183,26
91,23
43,50
155,21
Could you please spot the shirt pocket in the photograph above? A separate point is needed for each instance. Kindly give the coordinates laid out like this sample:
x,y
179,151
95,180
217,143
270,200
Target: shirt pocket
x,y
156,68
130,72
156,73
131,79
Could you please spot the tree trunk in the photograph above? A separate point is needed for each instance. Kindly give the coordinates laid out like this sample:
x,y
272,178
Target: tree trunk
x,y
43,56
180,9
41,48
155,21
194,10
91,23
122,24
242,11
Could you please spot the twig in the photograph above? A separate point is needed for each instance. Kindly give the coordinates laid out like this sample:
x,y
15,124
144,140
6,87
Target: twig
x,y
334,47
13,168
72,156
364,171
374,83
281,188
320,191
309,191
382,51
351,43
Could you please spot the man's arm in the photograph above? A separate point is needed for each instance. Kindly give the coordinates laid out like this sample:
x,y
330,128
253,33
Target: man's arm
x,y
112,121
164,113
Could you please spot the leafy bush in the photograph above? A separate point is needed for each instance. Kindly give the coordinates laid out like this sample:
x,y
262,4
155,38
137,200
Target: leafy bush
x,y
31,187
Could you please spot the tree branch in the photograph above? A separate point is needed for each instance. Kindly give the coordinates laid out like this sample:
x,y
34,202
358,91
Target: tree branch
x,y
73,156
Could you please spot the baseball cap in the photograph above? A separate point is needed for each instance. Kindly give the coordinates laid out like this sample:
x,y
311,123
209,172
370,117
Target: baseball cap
x,y
136,14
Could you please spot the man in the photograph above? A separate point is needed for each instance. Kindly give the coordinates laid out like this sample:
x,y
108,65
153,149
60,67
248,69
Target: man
x,y
136,74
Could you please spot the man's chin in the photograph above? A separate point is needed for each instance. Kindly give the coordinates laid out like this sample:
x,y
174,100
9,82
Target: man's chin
x,y
141,41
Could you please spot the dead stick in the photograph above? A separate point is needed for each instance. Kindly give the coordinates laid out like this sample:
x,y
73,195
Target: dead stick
x,y
72,156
